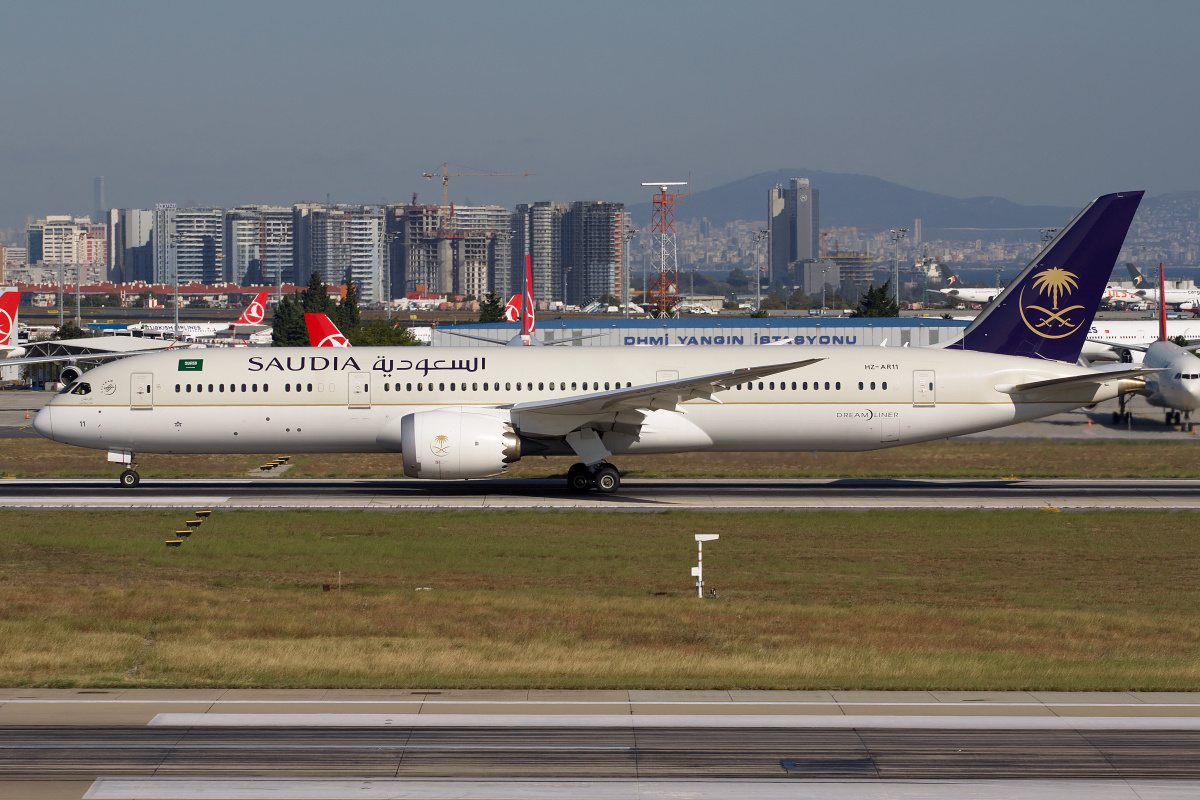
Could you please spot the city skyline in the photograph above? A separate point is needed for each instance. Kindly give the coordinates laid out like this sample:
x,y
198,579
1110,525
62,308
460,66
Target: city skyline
x,y
1037,103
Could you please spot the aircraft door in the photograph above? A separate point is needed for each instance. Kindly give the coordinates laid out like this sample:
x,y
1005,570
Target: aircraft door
x,y
924,393
360,390
141,390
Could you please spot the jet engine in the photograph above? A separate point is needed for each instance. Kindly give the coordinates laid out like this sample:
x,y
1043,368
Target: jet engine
x,y
455,443
69,374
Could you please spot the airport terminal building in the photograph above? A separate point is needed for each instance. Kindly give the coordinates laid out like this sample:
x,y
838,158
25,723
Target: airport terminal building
x,y
705,331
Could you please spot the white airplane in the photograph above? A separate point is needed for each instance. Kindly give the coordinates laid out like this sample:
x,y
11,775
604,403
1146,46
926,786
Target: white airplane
x,y
1183,299
456,413
957,293
250,320
1126,340
1176,386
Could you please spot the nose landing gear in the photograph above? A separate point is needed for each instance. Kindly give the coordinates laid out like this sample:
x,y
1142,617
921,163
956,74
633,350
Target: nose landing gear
x,y
130,479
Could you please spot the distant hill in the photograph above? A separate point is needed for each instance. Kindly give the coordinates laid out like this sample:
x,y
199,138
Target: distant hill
x,y
860,200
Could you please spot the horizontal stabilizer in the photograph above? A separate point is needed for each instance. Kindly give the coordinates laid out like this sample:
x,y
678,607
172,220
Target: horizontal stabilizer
x,y
1103,376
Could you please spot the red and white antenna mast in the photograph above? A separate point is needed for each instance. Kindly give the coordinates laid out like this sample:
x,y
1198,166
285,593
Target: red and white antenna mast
x,y
664,287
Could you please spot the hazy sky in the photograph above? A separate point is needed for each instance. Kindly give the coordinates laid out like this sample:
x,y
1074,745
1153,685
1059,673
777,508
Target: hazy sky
x,y
230,103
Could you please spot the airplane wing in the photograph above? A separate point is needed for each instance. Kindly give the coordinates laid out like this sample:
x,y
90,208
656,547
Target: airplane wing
x,y
660,395
1119,346
1099,376
71,359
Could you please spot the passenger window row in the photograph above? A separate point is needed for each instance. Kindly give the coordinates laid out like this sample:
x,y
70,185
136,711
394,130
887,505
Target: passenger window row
x,y
220,387
764,386
522,386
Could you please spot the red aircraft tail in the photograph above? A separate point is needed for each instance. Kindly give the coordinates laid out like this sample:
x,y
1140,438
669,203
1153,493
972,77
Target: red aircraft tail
x,y
527,321
8,316
256,312
322,332
512,311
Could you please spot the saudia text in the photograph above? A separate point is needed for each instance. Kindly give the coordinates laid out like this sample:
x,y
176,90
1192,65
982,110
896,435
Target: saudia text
x,y
339,363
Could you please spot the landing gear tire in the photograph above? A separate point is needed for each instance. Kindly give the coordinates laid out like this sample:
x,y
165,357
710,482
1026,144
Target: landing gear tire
x,y
130,479
607,479
1176,417
1116,417
579,478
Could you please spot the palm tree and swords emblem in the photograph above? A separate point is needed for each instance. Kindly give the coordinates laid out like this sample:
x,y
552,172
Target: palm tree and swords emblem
x,y
1058,284
440,446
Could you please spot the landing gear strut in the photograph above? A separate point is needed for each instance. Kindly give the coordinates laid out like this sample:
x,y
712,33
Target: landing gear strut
x,y
1122,415
603,477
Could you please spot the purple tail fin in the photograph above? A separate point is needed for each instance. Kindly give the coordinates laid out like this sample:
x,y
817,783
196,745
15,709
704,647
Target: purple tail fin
x,y
1047,311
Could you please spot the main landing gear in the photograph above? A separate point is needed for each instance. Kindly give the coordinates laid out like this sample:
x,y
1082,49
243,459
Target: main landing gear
x,y
1122,415
602,477
1184,421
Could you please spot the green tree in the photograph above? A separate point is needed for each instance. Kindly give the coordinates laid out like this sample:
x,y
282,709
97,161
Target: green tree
x,y
287,326
760,313
70,330
877,301
380,333
346,314
491,309
315,297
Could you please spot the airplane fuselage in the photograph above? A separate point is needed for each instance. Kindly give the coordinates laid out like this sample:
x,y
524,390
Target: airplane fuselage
x,y
298,400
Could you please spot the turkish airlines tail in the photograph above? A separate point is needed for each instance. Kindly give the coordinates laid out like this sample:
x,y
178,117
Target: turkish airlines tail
x,y
322,332
512,311
256,312
527,321
9,298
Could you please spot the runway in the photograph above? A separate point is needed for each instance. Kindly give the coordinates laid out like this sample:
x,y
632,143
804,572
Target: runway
x,y
637,494
606,745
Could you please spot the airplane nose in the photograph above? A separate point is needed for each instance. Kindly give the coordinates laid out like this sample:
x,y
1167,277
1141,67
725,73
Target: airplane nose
x,y
41,422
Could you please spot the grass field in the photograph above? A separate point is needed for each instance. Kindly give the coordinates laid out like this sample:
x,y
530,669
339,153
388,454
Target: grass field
x,y
942,459
897,600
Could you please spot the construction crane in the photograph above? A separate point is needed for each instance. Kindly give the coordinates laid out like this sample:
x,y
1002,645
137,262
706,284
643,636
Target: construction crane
x,y
446,175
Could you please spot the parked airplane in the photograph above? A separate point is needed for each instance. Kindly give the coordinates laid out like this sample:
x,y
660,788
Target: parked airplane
x,y
322,332
9,300
957,293
1183,299
454,413
250,320
1176,387
524,312
1126,339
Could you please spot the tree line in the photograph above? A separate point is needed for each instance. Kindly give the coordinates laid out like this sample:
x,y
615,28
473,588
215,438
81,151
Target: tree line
x,y
288,328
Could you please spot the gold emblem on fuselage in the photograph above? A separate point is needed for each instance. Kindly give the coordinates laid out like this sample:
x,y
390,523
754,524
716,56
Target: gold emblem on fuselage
x,y
1053,322
440,446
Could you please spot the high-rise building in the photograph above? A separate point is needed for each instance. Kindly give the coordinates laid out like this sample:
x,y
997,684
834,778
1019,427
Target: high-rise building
x,y
66,240
592,244
467,253
539,235
793,228
343,244
130,247
258,245
188,243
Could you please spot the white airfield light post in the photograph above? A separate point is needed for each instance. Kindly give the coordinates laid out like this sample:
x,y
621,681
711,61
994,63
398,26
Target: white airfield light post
x,y
698,570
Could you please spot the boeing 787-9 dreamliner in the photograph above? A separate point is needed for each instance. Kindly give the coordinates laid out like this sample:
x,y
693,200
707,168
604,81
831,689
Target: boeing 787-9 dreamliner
x,y
468,412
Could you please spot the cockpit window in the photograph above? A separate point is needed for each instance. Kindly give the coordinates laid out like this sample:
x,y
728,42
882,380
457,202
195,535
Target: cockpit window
x,y
68,387
82,388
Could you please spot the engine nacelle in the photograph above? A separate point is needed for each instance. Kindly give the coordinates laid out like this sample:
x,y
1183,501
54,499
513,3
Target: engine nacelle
x,y
69,374
455,443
